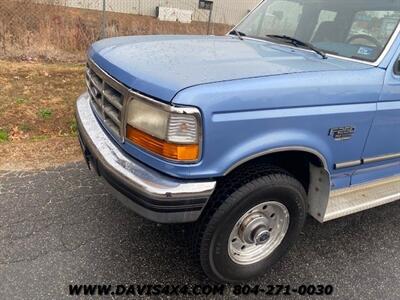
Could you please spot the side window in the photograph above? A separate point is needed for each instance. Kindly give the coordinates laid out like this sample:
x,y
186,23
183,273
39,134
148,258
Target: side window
x,y
324,16
396,67
282,17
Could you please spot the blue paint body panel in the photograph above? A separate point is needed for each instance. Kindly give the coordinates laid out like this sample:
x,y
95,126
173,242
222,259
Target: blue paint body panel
x,y
161,66
384,137
286,111
255,96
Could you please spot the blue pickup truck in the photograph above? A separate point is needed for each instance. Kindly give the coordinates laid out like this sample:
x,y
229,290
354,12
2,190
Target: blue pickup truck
x,y
295,112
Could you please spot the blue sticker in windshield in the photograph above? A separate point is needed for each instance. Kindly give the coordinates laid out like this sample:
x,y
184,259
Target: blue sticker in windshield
x,y
365,51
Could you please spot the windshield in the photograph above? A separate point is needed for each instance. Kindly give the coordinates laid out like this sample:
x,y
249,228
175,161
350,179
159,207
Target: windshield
x,y
358,29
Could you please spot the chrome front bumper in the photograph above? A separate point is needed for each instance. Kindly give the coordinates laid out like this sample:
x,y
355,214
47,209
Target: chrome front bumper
x,y
149,193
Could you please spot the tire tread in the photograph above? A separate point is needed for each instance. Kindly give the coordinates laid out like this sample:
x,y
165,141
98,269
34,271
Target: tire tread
x,y
228,191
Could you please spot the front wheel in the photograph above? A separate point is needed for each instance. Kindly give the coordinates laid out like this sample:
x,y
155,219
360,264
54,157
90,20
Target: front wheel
x,y
252,228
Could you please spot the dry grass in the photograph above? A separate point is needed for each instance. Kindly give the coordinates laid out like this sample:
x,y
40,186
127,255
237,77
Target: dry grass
x,y
51,32
25,155
37,99
37,123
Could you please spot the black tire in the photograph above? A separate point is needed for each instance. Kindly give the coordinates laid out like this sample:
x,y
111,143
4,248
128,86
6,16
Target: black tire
x,y
234,197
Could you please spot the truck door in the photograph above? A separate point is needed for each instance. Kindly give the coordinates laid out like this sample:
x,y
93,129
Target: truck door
x,y
381,157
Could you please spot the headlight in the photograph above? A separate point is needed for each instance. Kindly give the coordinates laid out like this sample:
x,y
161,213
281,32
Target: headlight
x,y
170,132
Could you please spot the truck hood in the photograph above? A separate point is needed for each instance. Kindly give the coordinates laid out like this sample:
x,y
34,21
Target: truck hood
x,y
161,66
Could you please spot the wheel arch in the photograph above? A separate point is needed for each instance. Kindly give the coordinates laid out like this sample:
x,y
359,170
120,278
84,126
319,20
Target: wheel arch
x,y
281,150
307,165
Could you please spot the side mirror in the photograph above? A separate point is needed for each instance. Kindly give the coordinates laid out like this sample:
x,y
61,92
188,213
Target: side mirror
x,y
396,67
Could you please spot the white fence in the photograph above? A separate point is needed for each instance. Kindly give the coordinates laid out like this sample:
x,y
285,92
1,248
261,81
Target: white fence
x,y
225,11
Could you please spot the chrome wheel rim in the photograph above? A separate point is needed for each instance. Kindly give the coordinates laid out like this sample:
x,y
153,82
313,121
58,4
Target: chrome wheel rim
x,y
258,232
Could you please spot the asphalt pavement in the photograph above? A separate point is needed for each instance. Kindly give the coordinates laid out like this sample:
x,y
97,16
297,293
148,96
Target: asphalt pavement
x,y
61,226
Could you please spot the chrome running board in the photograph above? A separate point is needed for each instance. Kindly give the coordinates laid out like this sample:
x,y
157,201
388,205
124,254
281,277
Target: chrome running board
x,y
354,199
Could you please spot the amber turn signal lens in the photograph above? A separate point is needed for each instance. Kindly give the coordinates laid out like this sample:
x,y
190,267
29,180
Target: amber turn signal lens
x,y
163,148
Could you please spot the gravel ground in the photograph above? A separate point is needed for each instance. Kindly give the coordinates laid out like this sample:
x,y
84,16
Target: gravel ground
x,y
61,226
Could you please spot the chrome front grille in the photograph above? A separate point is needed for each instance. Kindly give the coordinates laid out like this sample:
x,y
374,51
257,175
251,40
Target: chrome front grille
x,y
108,98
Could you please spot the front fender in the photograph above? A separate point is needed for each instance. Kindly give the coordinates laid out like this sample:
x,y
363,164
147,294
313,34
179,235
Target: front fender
x,y
248,118
275,142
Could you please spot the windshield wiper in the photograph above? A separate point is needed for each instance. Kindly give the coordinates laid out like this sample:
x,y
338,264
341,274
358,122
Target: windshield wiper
x,y
298,43
239,34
